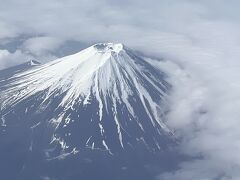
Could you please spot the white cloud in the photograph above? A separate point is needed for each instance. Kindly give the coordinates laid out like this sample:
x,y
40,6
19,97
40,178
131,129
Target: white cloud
x,y
8,59
205,103
41,48
41,45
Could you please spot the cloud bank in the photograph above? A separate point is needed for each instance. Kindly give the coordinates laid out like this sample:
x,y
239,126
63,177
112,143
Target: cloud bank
x,y
201,40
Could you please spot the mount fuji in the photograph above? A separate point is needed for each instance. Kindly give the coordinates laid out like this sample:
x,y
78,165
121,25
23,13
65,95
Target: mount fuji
x,y
97,114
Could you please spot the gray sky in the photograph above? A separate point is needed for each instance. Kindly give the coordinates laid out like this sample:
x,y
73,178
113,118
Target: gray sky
x,y
200,38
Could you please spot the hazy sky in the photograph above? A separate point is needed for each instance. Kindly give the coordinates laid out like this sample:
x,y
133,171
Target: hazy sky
x,y
200,38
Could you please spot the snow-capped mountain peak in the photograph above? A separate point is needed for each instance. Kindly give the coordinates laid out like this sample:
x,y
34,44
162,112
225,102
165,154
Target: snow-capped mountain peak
x,y
107,89
33,63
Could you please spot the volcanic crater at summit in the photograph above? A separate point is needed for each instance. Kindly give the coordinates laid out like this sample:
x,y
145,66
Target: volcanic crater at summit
x,y
109,47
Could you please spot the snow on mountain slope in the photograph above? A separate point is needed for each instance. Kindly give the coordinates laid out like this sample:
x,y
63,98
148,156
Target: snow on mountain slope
x,y
105,97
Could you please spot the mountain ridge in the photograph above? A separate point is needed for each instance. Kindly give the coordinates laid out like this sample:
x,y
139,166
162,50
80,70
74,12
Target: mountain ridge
x,y
104,99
